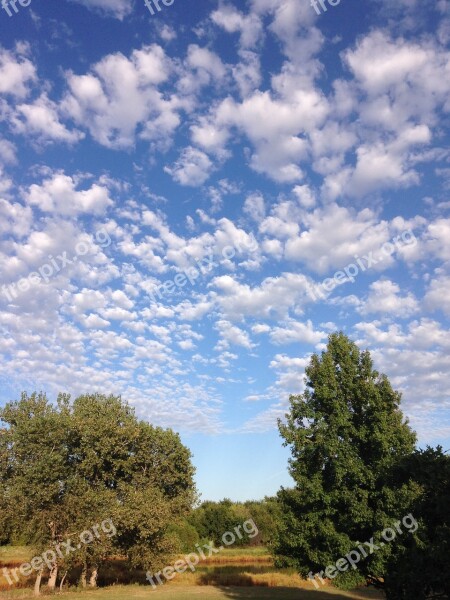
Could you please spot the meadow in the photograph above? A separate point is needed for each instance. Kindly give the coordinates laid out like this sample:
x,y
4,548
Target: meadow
x,y
240,574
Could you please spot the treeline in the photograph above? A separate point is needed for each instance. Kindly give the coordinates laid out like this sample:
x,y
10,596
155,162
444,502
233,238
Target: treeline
x,y
211,520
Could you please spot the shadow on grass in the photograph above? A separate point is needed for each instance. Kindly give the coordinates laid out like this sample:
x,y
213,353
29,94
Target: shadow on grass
x,y
286,593
242,585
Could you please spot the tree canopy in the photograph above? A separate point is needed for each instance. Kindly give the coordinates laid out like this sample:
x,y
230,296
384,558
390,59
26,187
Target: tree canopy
x,y
69,466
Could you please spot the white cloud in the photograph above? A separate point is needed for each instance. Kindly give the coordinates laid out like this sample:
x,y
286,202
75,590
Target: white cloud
x,y
17,72
115,8
254,206
384,297
16,219
296,331
437,296
120,96
193,167
59,194
233,21
274,297
41,119
232,335
7,152
333,235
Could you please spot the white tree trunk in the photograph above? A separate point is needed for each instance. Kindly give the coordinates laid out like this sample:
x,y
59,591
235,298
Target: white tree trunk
x,y
93,577
62,582
52,579
37,584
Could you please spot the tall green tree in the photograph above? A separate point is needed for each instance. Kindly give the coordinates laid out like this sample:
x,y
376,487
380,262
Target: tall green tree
x,y
345,432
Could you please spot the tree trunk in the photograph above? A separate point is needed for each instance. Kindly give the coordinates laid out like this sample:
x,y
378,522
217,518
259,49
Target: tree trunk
x,y
52,579
83,576
37,584
62,582
93,577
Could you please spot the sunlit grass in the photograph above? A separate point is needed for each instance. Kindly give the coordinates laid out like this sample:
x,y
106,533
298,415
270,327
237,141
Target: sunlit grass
x,y
203,593
14,554
240,573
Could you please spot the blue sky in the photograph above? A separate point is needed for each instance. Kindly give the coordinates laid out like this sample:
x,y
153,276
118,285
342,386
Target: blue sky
x,y
192,201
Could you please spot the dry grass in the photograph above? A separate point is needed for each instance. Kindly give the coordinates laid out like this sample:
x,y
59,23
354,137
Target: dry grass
x,y
204,593
228,575
242,578
14,555
238,559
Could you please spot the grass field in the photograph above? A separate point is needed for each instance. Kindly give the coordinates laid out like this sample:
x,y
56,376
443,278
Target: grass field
x,y
246,574
14,555
202,593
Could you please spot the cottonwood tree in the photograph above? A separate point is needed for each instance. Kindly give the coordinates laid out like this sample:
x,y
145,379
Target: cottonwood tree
x,y
68,467
35,471
345,433
147,468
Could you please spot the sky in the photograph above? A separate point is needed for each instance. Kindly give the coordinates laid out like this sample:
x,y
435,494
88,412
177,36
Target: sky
x,y
192,200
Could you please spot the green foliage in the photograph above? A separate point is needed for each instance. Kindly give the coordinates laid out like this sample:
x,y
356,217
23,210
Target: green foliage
x,y
186,535
212,519
419,567
267,515
345,432
67,467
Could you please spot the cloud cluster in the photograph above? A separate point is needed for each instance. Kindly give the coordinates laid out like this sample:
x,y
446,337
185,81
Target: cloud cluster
x,y
182,148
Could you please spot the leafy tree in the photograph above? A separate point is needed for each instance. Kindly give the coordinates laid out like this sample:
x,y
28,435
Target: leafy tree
x,y
36,470
213,519
345,432
419,567
68,467
266,514
186,535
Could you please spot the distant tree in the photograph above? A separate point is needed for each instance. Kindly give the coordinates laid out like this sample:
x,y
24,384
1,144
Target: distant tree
x,y
419,567
186,535
266,514
148,468
213,519
345,431
6,521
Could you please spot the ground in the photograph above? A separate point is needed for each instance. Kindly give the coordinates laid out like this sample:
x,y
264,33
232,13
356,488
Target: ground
x,y
235,574
204,593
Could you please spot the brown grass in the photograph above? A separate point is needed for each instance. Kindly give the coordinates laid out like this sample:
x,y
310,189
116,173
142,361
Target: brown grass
x,y
237,560
244,579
